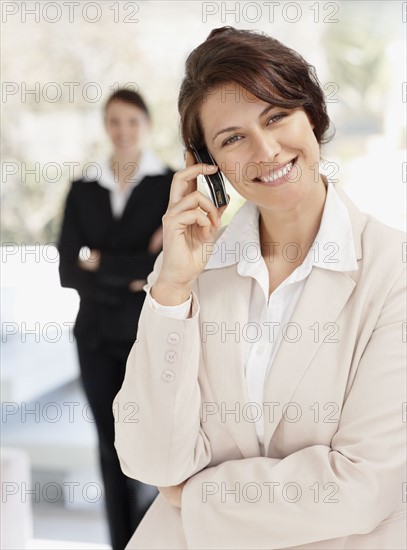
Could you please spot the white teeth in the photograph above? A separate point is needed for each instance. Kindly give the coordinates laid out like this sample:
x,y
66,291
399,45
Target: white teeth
x,y
279,174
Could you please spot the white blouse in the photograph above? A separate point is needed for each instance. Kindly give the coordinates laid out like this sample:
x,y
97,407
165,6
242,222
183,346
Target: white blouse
x,y
239,243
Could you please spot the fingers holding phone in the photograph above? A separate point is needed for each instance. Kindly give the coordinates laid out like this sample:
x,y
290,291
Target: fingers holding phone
x,y
214,181
186,179
190,222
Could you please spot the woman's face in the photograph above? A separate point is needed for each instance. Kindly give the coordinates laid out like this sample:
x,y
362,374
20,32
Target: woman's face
x,y
256,141
127,126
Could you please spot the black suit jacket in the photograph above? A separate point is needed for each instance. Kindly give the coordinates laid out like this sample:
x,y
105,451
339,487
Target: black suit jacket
x,y
108,309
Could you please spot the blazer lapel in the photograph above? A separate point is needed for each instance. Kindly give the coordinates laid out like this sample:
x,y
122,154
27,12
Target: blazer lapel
x,y
128,207
324,296
225,350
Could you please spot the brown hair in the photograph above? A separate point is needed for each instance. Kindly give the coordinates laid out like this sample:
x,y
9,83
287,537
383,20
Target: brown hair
x,y
260,64
128,96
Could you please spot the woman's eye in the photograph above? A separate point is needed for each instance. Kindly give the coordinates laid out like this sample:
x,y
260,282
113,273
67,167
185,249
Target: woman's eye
x,y
230,140
276,118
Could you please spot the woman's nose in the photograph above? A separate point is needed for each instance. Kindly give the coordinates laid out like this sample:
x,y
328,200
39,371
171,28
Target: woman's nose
x,y
265,148
123,134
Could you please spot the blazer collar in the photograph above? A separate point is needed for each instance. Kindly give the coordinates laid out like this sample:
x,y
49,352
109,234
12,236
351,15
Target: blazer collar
x,y
334,245
150,165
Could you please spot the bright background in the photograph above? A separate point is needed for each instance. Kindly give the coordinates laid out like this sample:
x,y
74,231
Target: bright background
x,y
59,65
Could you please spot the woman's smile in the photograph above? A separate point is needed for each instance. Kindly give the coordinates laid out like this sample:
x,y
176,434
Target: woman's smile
x,y
277,176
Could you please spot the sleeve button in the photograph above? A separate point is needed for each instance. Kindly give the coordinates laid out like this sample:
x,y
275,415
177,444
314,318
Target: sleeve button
x,y
173,338
168,375
171,356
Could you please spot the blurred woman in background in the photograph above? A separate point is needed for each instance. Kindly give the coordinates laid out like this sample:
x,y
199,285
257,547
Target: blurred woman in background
x,y
111,235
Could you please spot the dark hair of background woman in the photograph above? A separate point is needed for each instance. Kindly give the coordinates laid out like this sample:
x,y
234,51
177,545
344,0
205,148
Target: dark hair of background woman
x,y
128,96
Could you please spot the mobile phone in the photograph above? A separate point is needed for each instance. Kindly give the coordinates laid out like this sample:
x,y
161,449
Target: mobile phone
x,y
215,182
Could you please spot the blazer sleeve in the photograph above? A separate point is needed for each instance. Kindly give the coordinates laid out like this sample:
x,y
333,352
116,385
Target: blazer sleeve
x,y
319,492
117,270
163,442
69,244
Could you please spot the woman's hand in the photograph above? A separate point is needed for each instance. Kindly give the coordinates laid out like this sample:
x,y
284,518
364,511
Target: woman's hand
x,y
189,228
156,242
92,262
173,495
136,285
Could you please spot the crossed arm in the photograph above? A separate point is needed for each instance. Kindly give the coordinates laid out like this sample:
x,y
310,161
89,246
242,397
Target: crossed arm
x,y
92,262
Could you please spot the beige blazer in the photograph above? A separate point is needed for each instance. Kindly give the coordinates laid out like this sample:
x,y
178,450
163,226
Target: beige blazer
x,y
334,470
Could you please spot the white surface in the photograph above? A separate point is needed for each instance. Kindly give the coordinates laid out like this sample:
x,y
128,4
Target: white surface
x,y
38,351
16,512
31,369
57,430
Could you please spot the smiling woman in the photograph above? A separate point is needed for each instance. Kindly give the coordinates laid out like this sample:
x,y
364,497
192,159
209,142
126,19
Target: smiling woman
x,y
261,111
282,438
